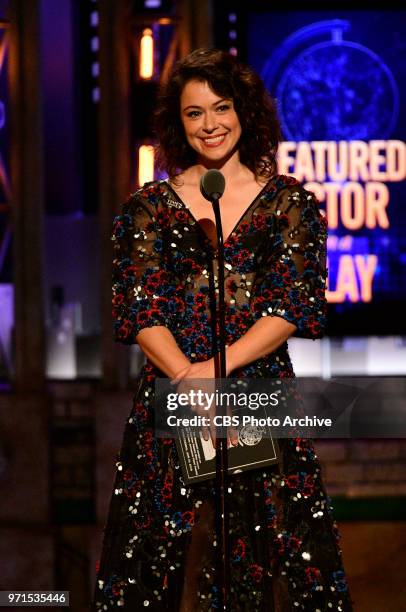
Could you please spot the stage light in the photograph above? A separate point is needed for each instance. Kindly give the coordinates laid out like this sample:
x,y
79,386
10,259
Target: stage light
x,y
147,54
145,164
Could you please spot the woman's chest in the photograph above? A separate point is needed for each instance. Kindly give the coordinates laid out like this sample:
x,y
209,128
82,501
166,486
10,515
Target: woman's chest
x,y
191,245
235,206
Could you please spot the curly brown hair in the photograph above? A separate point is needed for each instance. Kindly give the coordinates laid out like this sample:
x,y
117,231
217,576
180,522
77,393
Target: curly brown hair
x,y
228,78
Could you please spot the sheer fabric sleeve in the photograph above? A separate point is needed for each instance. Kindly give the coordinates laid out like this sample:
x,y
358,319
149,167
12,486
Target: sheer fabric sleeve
x,y
293,282
142,286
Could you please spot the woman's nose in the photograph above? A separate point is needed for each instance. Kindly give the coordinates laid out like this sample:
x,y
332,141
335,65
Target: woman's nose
x,y
209,122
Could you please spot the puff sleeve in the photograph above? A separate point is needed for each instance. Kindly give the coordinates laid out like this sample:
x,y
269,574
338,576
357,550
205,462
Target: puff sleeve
x,y
143,288
293,282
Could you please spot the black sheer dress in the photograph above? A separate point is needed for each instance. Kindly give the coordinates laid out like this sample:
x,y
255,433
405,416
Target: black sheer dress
x,y
158,550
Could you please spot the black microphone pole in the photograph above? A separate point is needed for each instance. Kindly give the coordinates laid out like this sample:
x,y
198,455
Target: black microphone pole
x,y
212,186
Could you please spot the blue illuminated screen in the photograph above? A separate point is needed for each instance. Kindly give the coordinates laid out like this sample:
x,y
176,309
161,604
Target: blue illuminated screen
x,y
339,78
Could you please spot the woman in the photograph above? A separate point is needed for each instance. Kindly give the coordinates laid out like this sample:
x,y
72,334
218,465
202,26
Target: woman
x,y
159,542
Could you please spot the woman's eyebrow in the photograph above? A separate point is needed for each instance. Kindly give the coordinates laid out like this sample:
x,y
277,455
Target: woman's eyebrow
x,y
199,107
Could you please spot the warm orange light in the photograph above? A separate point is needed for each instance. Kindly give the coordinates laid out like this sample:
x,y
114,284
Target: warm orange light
x,y
147,54
145,164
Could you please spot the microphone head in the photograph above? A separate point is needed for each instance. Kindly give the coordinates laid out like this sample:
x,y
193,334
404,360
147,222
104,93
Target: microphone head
x,y
212,185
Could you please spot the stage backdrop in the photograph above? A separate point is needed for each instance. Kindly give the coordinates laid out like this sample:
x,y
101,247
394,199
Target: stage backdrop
x,y
340,80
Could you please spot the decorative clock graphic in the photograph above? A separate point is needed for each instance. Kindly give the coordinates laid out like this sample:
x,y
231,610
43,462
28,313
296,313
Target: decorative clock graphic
x,y
331,89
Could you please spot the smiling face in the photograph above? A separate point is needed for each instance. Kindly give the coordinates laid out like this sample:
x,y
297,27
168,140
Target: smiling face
x,y
212,127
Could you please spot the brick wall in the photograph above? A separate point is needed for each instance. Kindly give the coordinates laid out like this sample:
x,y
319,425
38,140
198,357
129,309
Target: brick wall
x,y
363,467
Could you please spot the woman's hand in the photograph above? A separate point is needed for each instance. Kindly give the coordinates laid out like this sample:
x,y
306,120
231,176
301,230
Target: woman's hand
x,y
199,369
200,376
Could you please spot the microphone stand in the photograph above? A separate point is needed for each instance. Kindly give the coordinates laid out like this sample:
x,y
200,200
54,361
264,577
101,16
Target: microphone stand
x,y
222,517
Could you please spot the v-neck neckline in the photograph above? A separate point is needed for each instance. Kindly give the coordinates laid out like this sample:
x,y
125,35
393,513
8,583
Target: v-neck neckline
x,y
188,209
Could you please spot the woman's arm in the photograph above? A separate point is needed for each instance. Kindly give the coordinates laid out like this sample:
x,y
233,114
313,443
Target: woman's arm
x,y
291,294
159,345
265,336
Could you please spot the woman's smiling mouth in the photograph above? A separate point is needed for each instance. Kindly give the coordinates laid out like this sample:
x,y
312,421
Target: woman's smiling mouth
x,y
214,141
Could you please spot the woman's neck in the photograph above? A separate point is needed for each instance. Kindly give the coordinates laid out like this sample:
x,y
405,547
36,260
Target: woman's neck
x,y
232,170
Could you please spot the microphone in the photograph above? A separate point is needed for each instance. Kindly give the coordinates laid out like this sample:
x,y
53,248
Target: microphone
x,y
212,185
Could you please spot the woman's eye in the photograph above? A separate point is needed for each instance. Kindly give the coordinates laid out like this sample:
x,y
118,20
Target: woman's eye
x,y
193,114
223,107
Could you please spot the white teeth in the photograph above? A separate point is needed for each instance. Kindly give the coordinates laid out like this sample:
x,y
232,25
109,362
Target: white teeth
x,y
213,140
